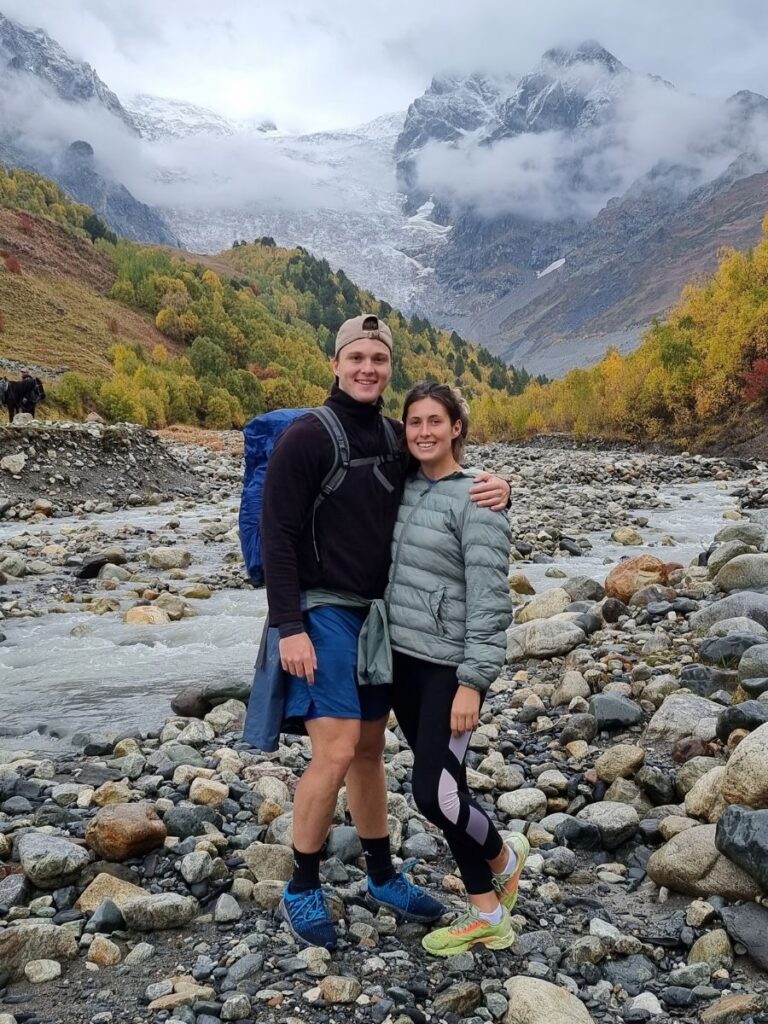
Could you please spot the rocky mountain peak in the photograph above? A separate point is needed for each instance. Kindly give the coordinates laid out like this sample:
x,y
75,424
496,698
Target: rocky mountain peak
x,y
588,52
79,151
32,51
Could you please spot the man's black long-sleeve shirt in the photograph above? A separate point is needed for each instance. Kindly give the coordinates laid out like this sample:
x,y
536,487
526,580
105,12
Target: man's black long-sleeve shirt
x,y
353,525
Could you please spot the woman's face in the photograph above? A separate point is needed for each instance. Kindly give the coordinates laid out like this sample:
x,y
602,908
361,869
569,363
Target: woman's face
x,y
429,433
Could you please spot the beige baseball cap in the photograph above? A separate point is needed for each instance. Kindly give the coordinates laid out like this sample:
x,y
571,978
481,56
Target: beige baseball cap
x,y
360,328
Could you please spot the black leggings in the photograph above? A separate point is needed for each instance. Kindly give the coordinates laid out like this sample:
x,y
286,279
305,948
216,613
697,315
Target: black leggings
x,y
422,696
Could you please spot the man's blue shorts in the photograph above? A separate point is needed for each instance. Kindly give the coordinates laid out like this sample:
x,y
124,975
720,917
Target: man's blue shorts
x,y
335,693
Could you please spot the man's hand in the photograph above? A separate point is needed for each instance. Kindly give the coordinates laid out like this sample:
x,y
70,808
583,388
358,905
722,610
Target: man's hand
x,y
489,491
297,656
465,710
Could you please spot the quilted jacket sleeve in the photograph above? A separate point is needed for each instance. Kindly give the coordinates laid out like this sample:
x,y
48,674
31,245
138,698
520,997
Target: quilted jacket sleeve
x,y
485,544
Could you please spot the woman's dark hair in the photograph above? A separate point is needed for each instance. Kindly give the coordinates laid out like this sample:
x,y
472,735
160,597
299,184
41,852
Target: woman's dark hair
x,y
451,400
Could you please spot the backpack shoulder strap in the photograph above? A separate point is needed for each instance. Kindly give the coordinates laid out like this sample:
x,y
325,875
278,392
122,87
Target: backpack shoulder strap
x,y
340,464
392,442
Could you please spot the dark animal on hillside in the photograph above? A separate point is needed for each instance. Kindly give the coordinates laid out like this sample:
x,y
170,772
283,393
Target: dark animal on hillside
x,y
23,395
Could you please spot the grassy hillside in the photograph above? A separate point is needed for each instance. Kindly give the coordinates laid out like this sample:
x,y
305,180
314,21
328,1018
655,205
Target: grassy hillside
x,y
158,336
54,282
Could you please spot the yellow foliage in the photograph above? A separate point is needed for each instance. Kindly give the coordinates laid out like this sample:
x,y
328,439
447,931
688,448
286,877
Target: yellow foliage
x,y
688,372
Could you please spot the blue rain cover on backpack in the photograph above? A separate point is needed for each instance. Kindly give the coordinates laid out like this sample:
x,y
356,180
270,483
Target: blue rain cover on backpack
x,y
260,437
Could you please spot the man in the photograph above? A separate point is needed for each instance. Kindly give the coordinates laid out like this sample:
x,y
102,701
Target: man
x,y
341,546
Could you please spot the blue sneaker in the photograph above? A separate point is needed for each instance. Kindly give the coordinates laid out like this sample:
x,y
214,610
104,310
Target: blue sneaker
x,y
308,918
409,901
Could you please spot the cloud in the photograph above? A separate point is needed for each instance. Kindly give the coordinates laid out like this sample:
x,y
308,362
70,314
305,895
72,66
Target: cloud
x,y
645,128
44,125
317,64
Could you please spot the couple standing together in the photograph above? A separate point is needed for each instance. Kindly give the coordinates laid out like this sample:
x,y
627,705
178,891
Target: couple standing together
x,y
408,524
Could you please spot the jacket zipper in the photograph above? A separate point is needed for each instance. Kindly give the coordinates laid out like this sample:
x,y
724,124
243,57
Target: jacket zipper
x,y
402,532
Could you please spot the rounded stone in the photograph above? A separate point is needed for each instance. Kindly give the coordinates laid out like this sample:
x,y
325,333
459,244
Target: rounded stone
x,y
50,861
39,971
122,831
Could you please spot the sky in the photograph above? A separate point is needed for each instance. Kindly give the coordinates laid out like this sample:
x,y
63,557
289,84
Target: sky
x,y
319,64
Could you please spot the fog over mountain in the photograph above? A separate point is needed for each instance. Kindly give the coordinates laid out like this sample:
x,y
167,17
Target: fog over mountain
x,y
547,214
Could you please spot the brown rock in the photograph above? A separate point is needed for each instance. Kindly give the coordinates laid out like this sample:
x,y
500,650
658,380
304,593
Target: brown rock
x,y
339,989
705,798
733,1009
713,948
689,747
107,887
620,761
112,793
146,615
104,952
633,574
736,737
208,792
121,831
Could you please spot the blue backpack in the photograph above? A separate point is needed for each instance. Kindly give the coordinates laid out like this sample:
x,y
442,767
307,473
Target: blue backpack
x,y
260,436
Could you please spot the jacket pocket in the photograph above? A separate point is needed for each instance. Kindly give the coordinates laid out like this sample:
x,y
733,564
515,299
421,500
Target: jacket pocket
x,y
437,607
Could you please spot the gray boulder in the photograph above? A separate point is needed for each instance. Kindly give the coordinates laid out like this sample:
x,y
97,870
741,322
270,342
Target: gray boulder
x,y
754,662
746,532
32,940
582,588
747,604
546,638
678,716
748,924
218,691
755,687
157,912
742,835
750,715
745,572
614,711
616,822
727,651
50,861
723,554
738,624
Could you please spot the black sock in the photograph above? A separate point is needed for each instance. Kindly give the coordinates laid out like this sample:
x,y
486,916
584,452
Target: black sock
x,y
306,871
378,859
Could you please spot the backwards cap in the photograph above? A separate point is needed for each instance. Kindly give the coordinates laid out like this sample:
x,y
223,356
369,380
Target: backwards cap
x,y
360,328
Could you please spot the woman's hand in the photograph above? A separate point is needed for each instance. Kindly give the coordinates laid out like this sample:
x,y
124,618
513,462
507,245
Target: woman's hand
x,y
465,710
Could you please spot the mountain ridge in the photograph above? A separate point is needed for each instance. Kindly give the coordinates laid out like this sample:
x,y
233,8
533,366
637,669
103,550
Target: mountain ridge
x,y
509,207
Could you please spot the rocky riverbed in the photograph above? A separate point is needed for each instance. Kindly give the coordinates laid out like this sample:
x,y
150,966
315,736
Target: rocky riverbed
x,y
140,865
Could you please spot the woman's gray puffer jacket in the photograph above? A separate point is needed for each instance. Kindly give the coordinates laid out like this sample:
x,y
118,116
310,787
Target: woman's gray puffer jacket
x,y
448,594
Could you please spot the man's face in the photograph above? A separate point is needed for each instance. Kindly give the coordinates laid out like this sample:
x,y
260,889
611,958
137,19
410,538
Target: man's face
x,y
364,369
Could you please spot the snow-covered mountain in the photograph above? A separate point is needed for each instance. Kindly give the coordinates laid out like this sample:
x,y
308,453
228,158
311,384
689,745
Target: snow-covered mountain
x,y
547,215
159,117
60,119
350,212
32,51
512,208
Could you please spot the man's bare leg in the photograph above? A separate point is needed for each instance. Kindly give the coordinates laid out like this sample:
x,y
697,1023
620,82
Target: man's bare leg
x,y
366,782
333,749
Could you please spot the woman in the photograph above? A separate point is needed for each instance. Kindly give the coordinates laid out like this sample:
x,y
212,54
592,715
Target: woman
x,y
449,607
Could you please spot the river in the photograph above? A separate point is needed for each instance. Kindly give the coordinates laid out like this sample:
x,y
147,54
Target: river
x,y
73,671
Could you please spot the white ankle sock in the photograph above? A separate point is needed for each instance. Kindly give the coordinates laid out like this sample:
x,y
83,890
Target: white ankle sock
x,y
492,916
511,863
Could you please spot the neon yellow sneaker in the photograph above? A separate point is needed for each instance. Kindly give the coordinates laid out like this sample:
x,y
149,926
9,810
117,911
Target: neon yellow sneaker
x,y
470,930
506,885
